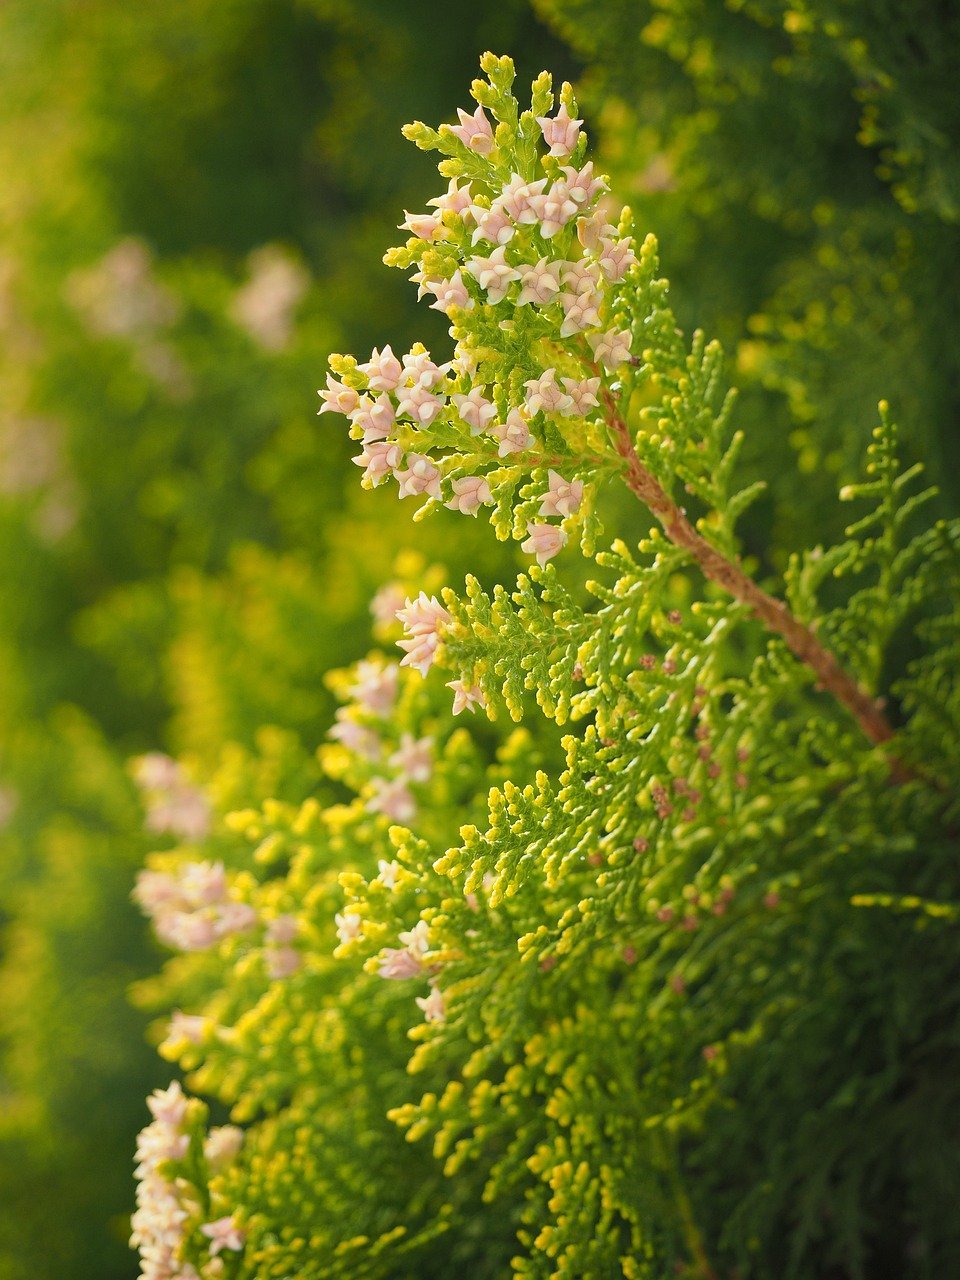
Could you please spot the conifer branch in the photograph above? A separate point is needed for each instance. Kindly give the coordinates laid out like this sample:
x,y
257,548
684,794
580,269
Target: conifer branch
x,y
729,575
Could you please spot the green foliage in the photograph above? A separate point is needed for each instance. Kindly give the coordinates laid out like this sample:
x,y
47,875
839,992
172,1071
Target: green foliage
x,y
687,969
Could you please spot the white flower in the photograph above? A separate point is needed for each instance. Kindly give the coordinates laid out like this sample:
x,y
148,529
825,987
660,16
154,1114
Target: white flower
x,y
349,926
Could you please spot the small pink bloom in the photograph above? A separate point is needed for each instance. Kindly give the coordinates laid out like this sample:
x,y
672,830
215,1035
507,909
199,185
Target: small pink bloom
x,y
581,311
563,498
355,737
583,394
374,417
451,293
612,349
554,209
236,917
474,410
187,931
493,274
419,370
388,872
544,542
398,963
385,604
419,476
474,131
203,883
223,1234
582,187
456,199
466,697
223,1145
545,395
283,929
417,939
516,197
420,404
514,434
375,687
434,1005
338,398
349,926
493,225
593,230
539,283
560,132
469,494
157,772
616,258
185,1026
392,798
383,370
168,1106
582,276
422,225
378,458
282,962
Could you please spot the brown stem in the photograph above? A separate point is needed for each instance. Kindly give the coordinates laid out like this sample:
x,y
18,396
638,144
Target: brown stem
x,y
728,574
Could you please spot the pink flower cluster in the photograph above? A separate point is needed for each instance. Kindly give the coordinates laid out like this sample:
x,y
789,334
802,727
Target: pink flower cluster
x,y
174,805
192,909
168,1206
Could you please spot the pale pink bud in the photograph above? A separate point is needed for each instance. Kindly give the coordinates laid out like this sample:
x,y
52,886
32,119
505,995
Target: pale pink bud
x,y
470,493
560,132
349,926
383,370
375,687
545,395
540,283
392,798
514,434
421,371
434,1006
516,196
223,1234
474,410
616,258
283,929
583,394
420,476
493,225
612,349
168,1106
398,964
493,274
422,225
563,498
451,293
338,398
457,199
554,209
593,230
282,962
466,697
223,1145
374,417
474,131
420,404
544,542
582,187
236,917
581,311
379,459
388,871
417,939
582,276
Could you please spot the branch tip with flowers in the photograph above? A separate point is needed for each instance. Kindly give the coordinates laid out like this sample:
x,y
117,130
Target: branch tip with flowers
x,y
560,327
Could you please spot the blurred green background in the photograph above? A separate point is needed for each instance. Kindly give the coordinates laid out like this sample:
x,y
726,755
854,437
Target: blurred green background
x,y
196,198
